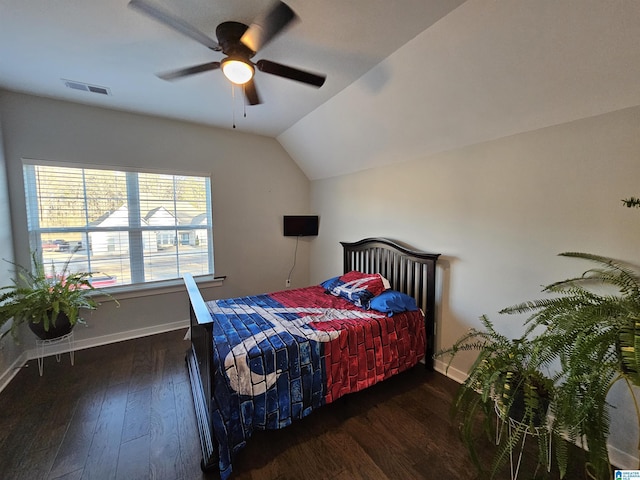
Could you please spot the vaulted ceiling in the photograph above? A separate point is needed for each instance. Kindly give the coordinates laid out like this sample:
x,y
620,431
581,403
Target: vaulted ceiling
x,y
489,69
405,79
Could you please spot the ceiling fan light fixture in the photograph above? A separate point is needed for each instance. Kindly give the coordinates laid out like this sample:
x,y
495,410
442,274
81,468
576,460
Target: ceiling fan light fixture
x,y
237,71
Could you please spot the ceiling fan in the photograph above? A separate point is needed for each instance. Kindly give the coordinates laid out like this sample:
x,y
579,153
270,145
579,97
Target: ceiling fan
x,y
239,43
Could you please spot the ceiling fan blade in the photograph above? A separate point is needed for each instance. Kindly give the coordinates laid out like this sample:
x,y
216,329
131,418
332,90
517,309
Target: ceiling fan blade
x,y
251,93
291,73
267,26
183,72
174,22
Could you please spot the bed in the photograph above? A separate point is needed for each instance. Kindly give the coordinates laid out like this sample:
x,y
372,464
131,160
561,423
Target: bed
x,y
264,361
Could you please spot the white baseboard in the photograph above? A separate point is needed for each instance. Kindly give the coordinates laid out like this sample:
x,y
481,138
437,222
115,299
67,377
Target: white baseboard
x,y
623,460
107,339
12,370
617,457
451,372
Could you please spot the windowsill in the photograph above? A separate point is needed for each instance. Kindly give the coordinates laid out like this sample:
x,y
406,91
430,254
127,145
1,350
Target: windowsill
x,y
125,292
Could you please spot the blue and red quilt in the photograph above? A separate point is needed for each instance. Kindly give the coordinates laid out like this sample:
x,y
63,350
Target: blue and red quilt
x,y
279,356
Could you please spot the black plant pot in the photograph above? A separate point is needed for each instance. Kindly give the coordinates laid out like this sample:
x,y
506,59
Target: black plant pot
x,y
62,327
517,409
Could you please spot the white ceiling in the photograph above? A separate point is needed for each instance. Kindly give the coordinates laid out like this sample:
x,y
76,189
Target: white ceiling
x,y
106,43
405,79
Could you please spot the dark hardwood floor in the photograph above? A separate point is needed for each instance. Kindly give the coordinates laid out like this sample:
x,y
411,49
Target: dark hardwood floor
x,y
125,411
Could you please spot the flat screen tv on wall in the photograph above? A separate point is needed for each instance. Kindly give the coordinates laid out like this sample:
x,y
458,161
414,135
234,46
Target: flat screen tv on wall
x,y
300,225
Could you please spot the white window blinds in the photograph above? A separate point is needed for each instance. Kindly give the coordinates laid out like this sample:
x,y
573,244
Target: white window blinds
x,y
124,227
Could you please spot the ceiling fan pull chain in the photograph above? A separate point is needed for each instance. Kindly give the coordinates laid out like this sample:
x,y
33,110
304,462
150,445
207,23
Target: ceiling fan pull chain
x,y
244,104
233,104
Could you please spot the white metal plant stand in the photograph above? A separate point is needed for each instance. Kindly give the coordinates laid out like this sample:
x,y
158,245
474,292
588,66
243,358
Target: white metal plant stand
x,y
43,345
527,430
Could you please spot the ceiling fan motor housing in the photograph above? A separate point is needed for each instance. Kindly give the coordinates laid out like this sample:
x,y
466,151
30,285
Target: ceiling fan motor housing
x,y
229,34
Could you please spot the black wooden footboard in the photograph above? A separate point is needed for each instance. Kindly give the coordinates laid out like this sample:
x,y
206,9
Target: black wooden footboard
x,y
199,358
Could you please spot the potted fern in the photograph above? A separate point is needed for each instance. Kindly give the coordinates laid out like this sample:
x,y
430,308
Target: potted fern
x,y
49,301
507,379
591,329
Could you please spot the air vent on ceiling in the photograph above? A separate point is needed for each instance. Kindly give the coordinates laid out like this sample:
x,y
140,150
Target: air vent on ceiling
x,y
85,87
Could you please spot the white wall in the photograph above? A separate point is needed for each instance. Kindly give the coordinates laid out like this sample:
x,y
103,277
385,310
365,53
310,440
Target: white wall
x,y
254,183
499,213
10,353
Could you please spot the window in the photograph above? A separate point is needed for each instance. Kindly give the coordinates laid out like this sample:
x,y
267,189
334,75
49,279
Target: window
x,y
125,227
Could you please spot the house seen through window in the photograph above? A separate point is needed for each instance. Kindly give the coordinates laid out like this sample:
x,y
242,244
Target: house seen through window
x,y
125,227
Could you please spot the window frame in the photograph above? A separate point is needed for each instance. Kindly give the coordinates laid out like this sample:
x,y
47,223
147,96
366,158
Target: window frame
x,y
136,254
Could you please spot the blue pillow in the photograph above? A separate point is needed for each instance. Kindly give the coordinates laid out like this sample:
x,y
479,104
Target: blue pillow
x,y
329,284
392,301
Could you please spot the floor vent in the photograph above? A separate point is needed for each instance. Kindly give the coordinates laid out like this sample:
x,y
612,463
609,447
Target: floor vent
x,y
85,87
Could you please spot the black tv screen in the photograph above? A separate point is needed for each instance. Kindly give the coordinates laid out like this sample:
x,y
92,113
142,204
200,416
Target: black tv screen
x,y
300,225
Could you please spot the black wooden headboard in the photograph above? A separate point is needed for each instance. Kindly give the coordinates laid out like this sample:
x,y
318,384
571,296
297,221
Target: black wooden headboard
x,y
409,271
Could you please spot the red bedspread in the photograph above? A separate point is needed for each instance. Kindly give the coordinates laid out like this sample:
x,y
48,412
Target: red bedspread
x,y
369,349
